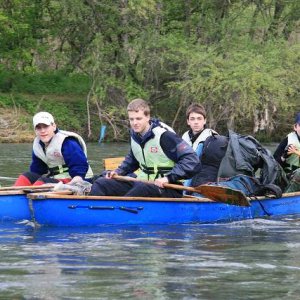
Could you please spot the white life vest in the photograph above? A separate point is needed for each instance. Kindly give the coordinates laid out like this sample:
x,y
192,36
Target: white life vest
x,y
53,157
200,139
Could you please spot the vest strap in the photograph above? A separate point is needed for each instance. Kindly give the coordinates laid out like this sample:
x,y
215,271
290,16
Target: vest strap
x,y
291,168
152,170
58,170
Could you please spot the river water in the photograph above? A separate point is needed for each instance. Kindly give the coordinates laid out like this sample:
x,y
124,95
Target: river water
x,y
253,259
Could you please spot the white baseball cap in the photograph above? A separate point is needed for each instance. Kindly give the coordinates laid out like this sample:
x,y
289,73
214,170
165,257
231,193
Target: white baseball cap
x,y
42,117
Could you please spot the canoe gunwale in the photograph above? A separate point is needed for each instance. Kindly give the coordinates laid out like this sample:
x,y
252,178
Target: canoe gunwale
x,y
66,195
13,192
45,196
49,195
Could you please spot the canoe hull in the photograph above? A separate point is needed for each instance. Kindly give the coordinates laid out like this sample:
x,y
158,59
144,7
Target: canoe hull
x,y
14,207
76,211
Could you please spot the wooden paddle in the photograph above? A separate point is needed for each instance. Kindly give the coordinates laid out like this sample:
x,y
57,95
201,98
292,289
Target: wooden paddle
x,y
46,186
111,163
7,178
214,192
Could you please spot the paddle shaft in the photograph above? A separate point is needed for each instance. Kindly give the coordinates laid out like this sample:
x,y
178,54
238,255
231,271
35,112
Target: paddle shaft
x,y
33,187
166,185
216,193
7,178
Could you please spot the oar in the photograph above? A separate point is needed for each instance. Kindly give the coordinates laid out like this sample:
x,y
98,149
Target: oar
x,y
46,186
7,178
214,192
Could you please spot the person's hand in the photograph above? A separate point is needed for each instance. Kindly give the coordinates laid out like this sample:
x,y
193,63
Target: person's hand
x,y
75,180
292,149
110,174
160,181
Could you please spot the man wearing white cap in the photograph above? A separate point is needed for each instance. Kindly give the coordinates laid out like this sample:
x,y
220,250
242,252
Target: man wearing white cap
x,y
57,155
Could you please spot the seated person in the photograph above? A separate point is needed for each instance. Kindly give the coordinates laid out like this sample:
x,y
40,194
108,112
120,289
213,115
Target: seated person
x,y
160,155
196,136
57,155
287,155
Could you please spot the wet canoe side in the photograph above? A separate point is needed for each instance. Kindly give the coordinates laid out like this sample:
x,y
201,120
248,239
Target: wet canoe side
x,y
14,206
58,210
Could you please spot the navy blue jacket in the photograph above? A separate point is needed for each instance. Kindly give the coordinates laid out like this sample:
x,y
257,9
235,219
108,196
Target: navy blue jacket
x,y
175,148
73,155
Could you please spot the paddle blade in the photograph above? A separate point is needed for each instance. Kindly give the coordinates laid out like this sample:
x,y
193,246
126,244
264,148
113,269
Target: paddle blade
x,y
223,194
112,163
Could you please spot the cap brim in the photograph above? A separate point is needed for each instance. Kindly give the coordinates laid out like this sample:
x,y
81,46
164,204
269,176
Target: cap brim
x,y
42,122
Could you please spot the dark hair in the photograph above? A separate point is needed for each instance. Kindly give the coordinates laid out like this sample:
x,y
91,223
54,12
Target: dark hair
x,y
196,108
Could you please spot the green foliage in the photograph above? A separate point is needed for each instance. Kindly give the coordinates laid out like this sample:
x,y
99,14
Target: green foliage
x,y
239,58
5,100
134,90
239,82
44,83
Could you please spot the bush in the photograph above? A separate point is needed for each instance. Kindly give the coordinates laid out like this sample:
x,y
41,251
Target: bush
x,y
44,83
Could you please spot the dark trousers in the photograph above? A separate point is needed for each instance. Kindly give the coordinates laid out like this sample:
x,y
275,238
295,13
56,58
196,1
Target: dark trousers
x,y
112,187
33,177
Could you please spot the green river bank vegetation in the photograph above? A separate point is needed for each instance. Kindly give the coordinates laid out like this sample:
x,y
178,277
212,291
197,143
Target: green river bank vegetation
x,y
83,61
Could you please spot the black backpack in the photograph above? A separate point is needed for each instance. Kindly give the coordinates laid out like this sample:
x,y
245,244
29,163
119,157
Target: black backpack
x,y
245,155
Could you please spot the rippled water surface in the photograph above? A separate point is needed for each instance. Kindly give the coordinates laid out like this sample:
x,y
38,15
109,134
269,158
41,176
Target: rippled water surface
x,y
245,260
253,259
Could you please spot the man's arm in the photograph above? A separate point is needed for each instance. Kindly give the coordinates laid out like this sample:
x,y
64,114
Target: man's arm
x,y
280,151
74,157
128,166
187,163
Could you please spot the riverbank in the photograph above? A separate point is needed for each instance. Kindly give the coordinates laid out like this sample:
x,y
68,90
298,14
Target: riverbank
x,y
17,110
70,112
15,126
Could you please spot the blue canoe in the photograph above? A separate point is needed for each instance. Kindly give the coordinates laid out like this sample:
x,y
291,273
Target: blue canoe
x,y
70,210
14,206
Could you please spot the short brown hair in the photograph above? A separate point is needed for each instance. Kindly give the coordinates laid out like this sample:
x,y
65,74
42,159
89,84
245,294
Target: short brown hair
x,y
139,104
195,108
